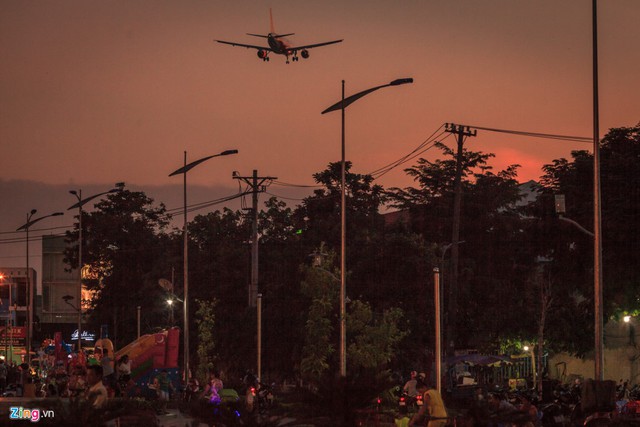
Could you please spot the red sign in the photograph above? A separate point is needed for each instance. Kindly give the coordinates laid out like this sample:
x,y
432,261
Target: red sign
x,y
12,336
14,331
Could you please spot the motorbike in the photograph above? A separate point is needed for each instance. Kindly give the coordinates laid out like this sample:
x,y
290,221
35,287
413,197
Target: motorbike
x,y
410,402
260,398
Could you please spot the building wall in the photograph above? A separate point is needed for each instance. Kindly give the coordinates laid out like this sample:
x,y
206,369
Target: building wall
x,y
18,277
57,281
621,356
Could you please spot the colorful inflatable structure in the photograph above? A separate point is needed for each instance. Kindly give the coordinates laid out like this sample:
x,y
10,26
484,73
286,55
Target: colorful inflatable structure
x,y
152,353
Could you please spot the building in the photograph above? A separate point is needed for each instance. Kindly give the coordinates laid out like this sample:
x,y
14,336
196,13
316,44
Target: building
x,y
56,310
13,309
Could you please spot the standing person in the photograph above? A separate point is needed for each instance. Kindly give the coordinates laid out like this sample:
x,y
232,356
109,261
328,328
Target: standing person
x,y
163,387
108,372
3,376
123,373
433,407
97,393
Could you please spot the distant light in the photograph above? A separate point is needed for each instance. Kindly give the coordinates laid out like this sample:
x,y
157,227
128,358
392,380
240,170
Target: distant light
x,y
626,319
169,301
525,348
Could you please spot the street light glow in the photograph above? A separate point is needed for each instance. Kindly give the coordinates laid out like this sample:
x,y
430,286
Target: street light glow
x,y
626,319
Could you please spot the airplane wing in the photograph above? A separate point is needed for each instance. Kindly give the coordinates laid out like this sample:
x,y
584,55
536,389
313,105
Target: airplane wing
x,y
248,46
309,46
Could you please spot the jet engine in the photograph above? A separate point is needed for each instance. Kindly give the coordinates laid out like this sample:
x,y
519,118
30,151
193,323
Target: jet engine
x,y
304,53
262,54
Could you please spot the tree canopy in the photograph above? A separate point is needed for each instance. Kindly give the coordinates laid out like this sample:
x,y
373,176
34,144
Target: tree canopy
x,y
520,266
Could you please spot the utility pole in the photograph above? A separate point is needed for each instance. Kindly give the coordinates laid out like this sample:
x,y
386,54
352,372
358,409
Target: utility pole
x,y
461,132
255,299
255,182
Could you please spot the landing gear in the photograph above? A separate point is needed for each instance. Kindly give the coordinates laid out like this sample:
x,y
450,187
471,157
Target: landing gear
x,y
265,59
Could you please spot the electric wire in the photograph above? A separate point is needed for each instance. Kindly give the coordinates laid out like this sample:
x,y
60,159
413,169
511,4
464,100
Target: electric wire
x,y
535,134
425,146
287,184
428,140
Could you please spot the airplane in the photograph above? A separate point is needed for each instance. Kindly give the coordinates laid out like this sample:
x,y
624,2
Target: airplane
x,y
279,45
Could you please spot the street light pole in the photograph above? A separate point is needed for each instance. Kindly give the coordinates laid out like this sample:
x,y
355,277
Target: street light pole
x,y
29,289
185,251
597,222
344,103
438,338
81,202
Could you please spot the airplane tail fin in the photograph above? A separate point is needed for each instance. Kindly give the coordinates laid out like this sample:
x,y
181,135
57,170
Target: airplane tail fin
x,y
272,29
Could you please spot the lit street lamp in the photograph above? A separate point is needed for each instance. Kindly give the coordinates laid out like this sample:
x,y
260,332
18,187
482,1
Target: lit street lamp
x,y
79,205
29,313
183,170
341,105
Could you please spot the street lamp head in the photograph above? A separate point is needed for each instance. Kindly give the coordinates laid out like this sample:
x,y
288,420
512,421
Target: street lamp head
x,y
74,192
170,301
227,152
626,319
33,211
57,214
401,82
525,348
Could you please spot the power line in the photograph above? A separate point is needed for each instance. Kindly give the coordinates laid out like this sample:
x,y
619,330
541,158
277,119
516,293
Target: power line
x,y
37,229
535,134
286,184
424,146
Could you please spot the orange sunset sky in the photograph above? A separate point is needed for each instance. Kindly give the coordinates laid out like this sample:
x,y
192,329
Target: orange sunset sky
x,y
93,92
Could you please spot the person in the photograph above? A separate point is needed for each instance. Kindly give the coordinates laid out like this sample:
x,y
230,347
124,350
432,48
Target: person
x,y
163,386
78,382
123,371
432,406
193,387
531,412
213,387
109,374
3,376
402,417
97,393
124,368
410,386
500,410
478,413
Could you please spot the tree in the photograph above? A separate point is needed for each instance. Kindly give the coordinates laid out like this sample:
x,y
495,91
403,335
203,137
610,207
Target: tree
x,y
205,323
126,251
495,257
372,339
570,250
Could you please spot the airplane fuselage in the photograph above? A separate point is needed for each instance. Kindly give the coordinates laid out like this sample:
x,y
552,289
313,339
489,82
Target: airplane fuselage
x,y
277,45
